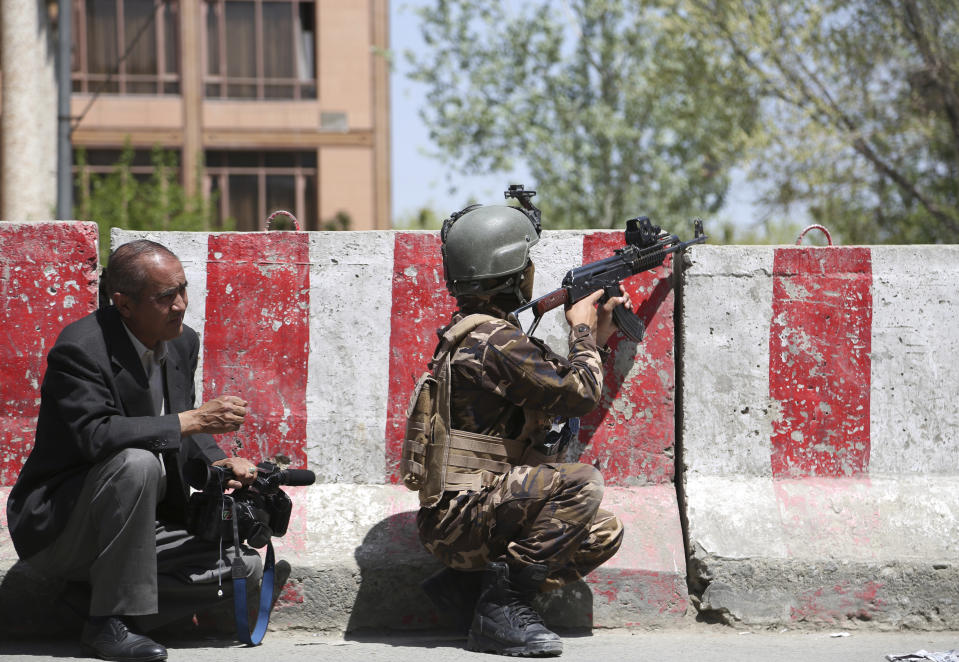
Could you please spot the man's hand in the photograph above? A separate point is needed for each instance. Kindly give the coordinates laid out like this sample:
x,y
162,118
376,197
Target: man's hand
x,y
606,325
223,414
600,321
243,470
584,311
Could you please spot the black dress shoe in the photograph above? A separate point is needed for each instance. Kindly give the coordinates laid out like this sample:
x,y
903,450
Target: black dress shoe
x,y
109,639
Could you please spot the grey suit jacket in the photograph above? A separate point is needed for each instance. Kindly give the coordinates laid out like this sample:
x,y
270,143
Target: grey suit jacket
x,y
95,400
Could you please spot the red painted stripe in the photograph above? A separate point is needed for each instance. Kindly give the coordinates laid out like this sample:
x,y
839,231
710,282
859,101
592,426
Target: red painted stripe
x,y
630,436
48,278
819,365
256,337
421,305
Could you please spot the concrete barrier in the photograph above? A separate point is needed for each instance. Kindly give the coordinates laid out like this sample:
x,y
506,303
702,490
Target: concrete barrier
x,y
816,441
325,334
819,433
48,278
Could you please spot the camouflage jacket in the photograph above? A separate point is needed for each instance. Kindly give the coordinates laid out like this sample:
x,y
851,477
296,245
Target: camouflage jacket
x,y
508,384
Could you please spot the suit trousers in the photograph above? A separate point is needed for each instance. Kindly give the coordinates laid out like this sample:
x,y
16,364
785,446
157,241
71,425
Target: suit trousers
x,y
134,564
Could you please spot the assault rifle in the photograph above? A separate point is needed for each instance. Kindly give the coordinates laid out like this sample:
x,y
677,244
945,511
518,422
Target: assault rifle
x,y
646,248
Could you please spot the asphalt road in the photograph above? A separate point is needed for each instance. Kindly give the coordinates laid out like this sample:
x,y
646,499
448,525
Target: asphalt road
x,y
705,644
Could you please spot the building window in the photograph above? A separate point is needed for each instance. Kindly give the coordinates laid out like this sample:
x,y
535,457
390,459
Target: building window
x,y
260,49
107,161
252,185
126,47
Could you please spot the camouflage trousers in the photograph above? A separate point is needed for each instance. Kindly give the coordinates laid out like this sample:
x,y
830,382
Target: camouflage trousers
x,y
548,514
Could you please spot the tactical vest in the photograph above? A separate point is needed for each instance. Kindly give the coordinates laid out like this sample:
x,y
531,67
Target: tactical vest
x,y
436,457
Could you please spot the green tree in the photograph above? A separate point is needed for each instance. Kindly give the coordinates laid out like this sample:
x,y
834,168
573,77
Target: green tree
x,y
845,112
860,121
125,200
340,221
422,219
614,114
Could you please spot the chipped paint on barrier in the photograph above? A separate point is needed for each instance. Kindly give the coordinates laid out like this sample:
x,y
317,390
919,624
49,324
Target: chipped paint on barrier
x,y
256,338
819,361
652,536
818,511
289,596
295,540
630,436
48,278
839,603
657,591
421,305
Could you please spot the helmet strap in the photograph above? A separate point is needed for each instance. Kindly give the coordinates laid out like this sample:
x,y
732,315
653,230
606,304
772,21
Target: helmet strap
x,y
519,295
502,287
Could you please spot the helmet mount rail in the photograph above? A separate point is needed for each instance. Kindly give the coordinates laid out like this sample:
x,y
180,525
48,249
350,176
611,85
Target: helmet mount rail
x,y
518,192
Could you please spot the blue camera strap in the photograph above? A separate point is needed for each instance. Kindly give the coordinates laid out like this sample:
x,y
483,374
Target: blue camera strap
x,y
238,571
243,632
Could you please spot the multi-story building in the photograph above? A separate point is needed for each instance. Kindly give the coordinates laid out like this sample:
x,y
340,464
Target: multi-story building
x,y
284,104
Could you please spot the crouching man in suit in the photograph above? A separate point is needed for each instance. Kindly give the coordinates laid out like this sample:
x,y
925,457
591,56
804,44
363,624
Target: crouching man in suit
x,y
101,500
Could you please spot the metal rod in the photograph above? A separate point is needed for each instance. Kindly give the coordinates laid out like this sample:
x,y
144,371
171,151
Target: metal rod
x,y
64,149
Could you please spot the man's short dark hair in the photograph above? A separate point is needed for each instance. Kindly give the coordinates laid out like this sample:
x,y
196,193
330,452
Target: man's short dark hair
x,y
126,271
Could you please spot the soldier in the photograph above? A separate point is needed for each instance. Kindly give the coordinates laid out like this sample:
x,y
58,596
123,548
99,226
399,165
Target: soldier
x,y
510,518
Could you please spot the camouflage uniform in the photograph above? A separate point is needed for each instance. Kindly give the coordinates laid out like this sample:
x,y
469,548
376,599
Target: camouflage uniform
x,y
508,384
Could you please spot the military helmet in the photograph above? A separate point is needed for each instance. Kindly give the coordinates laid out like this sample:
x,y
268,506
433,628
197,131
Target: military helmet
x,y
481,243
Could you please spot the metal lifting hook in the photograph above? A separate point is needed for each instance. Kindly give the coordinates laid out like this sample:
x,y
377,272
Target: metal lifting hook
x,y
815,226
269,220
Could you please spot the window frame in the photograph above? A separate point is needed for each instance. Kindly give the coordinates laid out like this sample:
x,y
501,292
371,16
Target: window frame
x,y
222,80
85,82
222,172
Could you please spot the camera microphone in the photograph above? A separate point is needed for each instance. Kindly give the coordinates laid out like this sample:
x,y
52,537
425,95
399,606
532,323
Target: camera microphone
x,y
297,477
198,474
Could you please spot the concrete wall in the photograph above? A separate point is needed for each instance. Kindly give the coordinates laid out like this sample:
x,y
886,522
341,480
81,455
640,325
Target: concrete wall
x,y
820,433
325,334
48,278
814,457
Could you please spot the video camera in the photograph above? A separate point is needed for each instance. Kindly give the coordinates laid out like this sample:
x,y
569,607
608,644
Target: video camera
x,y
261,510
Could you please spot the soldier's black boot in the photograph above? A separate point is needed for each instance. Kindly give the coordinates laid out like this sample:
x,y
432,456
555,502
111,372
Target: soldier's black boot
x,y
454,593
505,621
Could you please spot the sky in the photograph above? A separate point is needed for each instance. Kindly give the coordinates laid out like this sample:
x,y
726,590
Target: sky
x,y
420,180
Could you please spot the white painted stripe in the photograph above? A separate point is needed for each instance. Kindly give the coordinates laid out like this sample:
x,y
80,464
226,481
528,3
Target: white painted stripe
x,y
727,412
348,372
914,418
862,519
556,253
